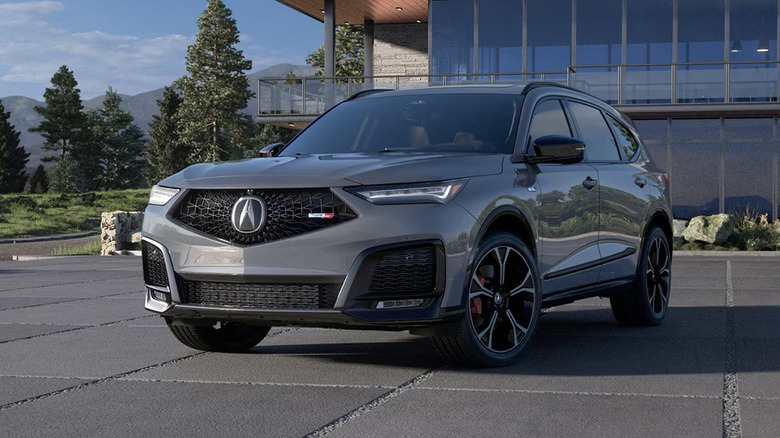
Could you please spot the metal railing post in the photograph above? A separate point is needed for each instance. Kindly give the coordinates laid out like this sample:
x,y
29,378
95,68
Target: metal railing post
x,y
303,94
673,83
259,96
397,82
727,75
349,87
620,85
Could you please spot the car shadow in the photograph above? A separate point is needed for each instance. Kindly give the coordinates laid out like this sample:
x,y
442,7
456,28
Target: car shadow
x,y
590,342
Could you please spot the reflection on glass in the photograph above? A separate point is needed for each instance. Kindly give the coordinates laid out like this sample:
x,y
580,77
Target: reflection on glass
x,y
500,36
754,25
549,35
649,31
452,26
700,30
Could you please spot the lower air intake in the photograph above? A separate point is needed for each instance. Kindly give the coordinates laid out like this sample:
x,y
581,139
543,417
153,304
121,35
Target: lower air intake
x,y
259,295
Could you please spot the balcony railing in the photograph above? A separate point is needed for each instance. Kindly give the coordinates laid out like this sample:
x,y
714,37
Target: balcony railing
x,y
632,84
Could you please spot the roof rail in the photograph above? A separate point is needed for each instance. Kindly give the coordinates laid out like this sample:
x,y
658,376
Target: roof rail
x,y
534,85
367,92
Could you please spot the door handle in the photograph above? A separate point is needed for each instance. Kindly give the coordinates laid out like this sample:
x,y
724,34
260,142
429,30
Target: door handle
x,y
589,183
640,182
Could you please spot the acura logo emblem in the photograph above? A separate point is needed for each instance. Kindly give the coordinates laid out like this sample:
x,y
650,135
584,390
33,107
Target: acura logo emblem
x,y
249,214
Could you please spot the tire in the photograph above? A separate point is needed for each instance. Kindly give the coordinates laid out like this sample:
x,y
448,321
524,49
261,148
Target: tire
x,y
503,305
222,336
648,301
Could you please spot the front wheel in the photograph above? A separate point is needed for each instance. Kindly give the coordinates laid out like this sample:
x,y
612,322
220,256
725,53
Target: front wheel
x,y
221,336
648,302
503,305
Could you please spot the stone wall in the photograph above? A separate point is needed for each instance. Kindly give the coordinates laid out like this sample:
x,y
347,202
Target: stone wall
x,y
120,230
401,49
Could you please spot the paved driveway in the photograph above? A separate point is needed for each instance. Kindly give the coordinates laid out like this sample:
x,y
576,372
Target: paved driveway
x,y
80,357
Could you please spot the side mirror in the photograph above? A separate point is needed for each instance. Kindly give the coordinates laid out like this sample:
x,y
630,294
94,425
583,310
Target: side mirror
x,y
557,149
271,150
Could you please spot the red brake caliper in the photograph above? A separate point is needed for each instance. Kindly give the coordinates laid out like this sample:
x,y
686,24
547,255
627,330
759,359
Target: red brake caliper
x,y
476,302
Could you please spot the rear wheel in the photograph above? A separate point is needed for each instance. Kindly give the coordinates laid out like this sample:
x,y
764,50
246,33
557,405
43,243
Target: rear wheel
x,y
648,302
504,304
222,336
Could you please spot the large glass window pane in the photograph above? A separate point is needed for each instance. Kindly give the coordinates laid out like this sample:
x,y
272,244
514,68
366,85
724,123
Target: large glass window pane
x,y
649,31
748,166
700,30
695,162
599,26
700,36
599,43
452,47
549,35
500,37
753,39
753,30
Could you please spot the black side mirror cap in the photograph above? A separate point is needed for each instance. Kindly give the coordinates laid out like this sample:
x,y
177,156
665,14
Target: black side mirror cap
x,y
271,150
557,149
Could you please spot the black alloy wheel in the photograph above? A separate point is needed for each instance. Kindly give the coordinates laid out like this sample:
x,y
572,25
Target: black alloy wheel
x,y
503,305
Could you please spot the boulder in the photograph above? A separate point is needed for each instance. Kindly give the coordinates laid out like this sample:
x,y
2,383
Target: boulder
x,y
716,229
679,226
120,230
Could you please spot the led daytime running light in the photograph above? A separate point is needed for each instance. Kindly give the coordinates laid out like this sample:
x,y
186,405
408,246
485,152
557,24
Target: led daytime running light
x,y
161,195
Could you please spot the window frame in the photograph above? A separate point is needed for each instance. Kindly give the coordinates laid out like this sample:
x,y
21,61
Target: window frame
x,y
561,101
630,132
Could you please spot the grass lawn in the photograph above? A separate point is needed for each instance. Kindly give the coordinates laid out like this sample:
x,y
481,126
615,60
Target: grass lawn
x,y
30,215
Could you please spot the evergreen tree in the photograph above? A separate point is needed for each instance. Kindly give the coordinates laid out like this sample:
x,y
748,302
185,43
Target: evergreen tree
x,y
39,182
120,143
67,176
165,153
63,116
13,157
349,53
216,88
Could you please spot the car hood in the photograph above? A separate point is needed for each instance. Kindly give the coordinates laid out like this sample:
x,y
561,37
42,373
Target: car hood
x,y
336,170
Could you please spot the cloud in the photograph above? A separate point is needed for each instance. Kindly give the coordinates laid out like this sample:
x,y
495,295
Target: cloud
x,y
34,48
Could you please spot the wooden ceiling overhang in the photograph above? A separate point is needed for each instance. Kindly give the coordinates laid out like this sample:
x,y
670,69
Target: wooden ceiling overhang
x,y
357,11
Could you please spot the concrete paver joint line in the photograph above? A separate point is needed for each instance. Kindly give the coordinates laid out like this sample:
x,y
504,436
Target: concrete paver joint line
x,y
585,393
105,324
69,284
115,376
70,300
732,427
367,407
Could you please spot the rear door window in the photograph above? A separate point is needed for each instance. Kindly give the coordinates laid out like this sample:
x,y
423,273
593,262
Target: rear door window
x,y
599,142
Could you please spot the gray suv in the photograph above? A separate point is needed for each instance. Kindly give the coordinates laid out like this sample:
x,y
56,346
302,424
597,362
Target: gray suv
x,y
457,213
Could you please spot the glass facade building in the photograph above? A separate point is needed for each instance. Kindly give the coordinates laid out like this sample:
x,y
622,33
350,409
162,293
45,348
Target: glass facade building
x,y
624,51
665,53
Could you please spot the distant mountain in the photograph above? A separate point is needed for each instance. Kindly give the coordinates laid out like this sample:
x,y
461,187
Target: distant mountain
x,y
142,106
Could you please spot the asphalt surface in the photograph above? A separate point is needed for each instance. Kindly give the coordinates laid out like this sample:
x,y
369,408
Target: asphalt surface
x,y
80,357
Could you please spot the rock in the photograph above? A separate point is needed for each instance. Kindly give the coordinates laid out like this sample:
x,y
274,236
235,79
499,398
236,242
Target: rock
x,y
679,226
710,229
120,230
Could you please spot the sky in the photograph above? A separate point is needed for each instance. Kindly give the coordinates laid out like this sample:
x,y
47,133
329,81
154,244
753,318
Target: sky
x,y
133,45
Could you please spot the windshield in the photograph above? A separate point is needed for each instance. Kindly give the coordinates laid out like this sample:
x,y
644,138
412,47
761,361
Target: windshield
x,y
484,123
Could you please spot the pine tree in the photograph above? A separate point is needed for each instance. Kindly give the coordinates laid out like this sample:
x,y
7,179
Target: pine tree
x,y
165,153
349,53
120,143
63,116
216,88
13,157
67,176
39,182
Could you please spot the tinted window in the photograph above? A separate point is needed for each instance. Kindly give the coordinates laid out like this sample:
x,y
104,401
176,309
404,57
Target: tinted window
x,y
599,143
549,119
626,141
420,123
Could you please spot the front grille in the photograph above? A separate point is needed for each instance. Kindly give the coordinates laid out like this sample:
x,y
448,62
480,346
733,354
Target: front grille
x,y
405,271
208,211
259,295
155,273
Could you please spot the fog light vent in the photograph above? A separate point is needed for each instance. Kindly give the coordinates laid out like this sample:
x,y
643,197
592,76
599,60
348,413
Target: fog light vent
x,y
160,296
395,304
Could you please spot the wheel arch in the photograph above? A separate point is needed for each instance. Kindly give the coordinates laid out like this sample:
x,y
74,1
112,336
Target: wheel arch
x,y
510,220
661,219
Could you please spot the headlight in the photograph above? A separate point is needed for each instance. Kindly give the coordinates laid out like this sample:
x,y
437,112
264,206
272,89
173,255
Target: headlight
x,y
161,195
421,193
